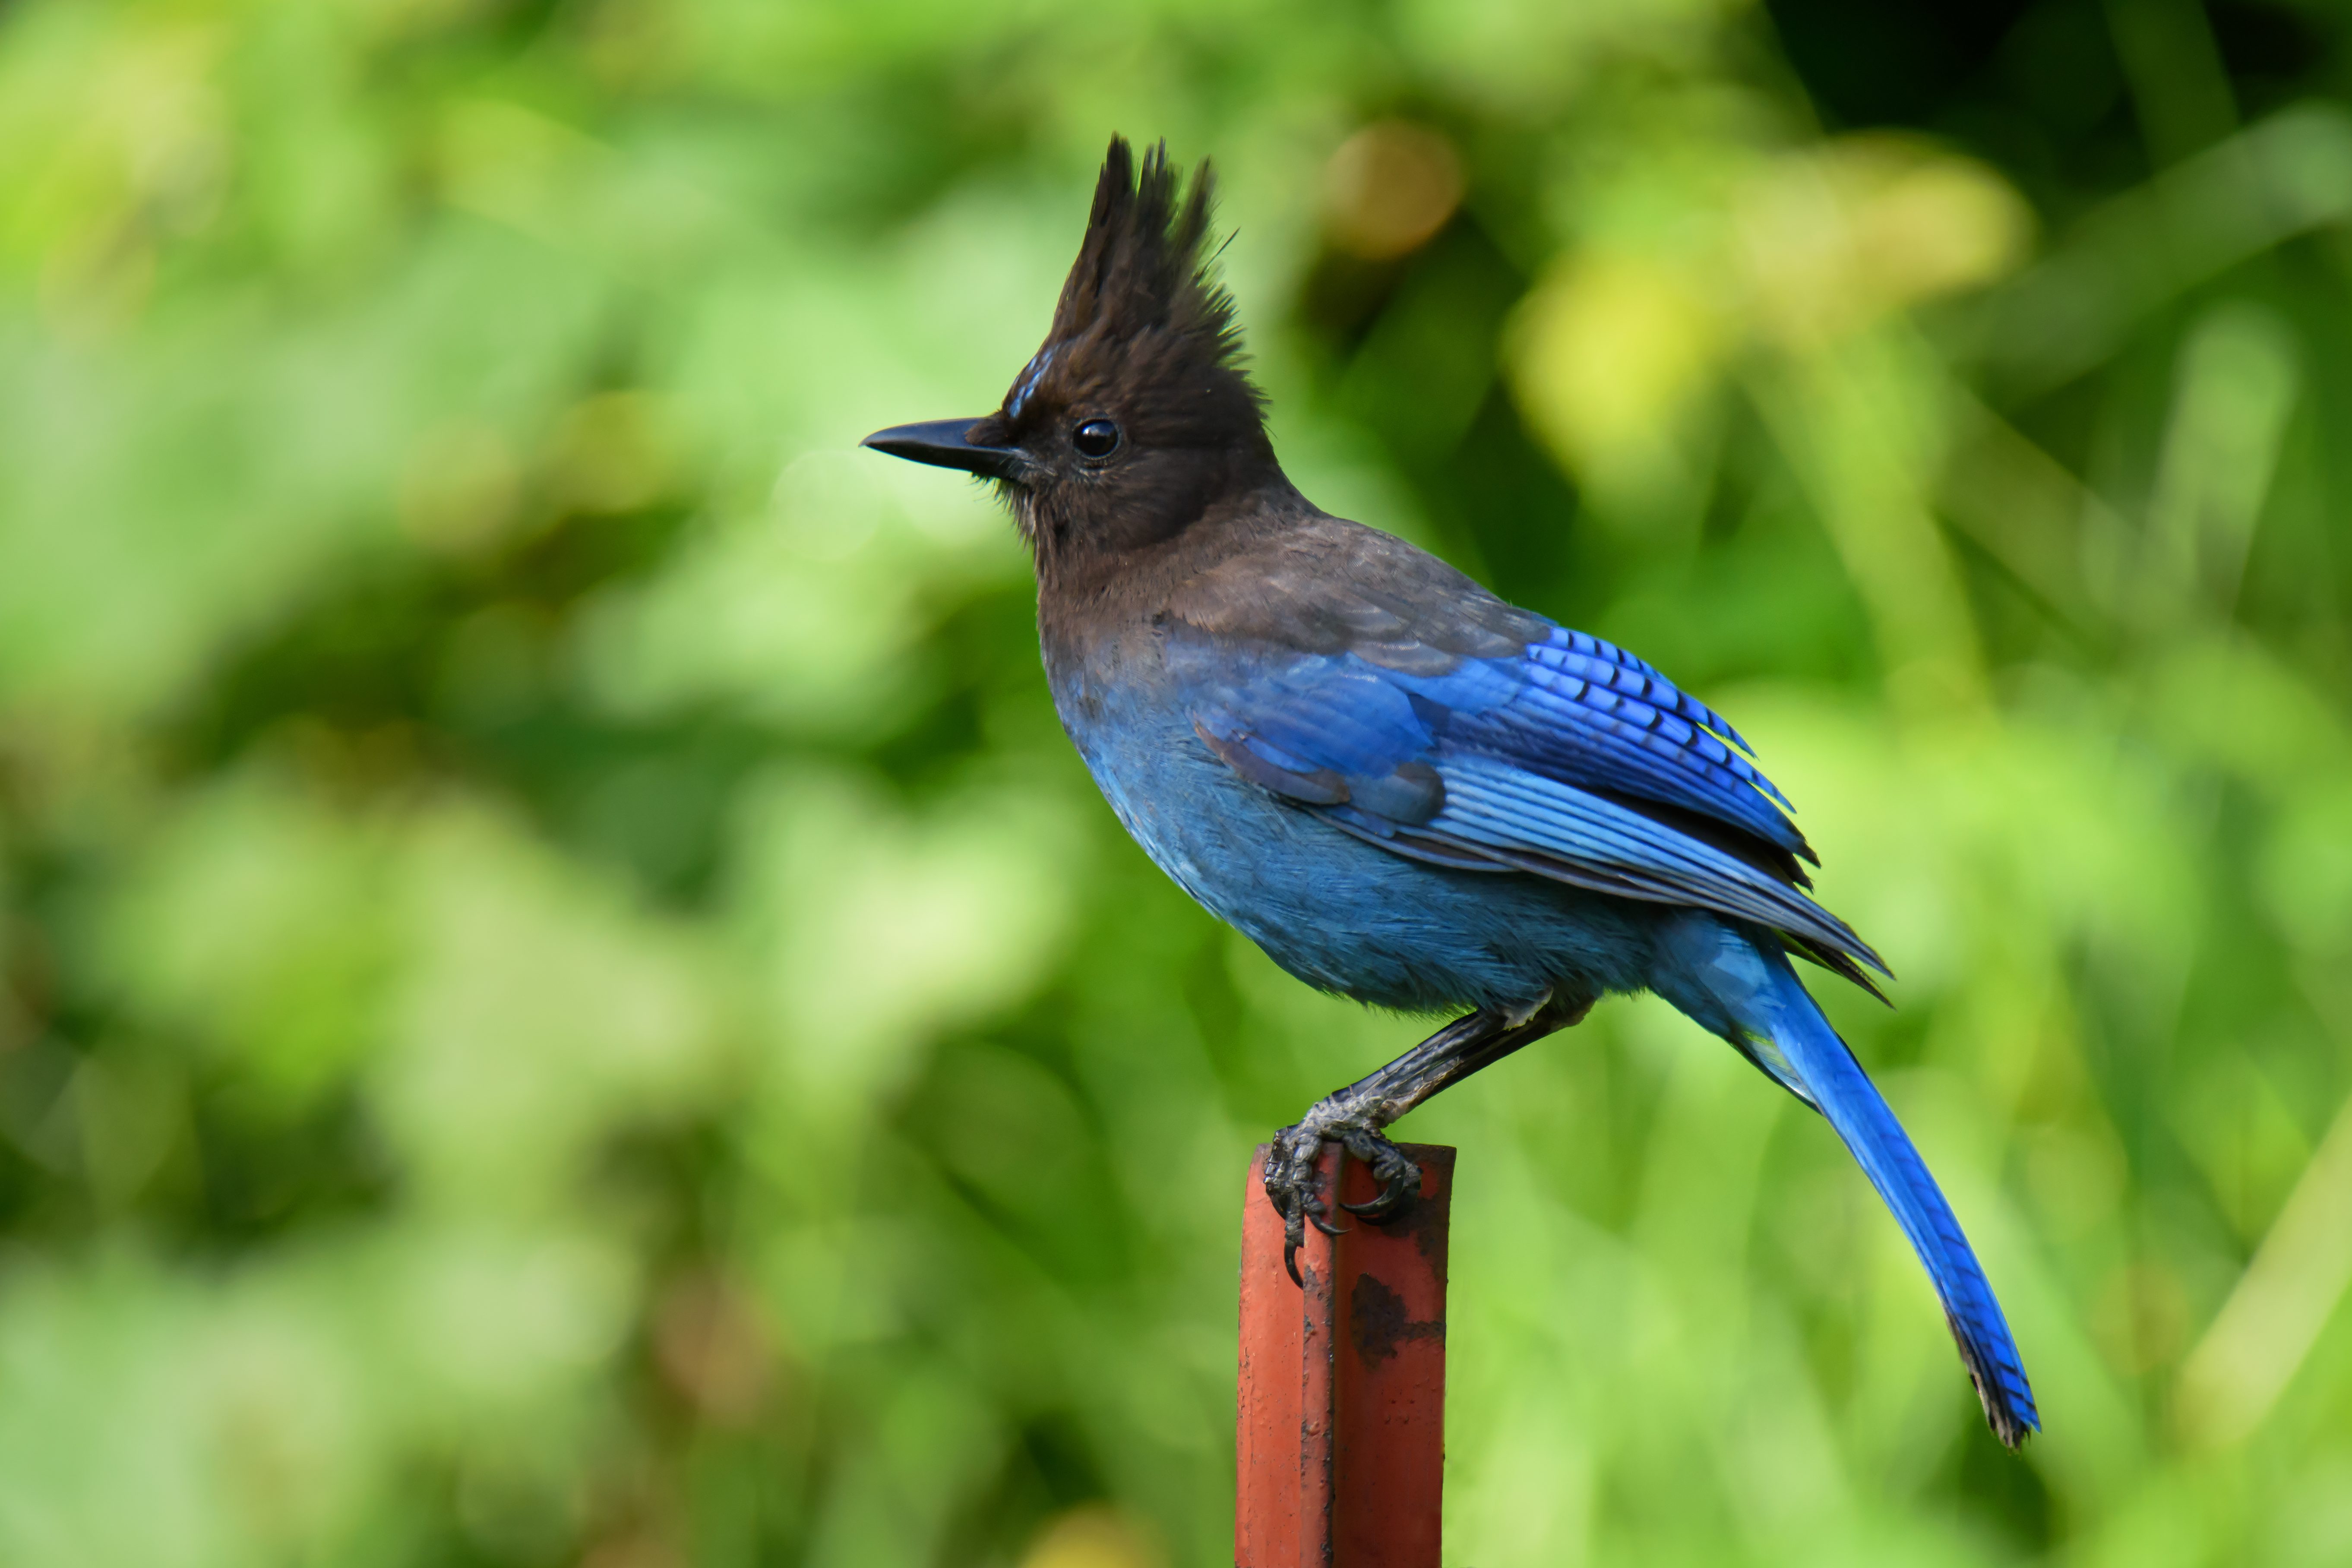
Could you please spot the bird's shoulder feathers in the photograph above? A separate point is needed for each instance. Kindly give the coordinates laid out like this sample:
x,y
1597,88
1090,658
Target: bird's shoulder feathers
x,y
1324,584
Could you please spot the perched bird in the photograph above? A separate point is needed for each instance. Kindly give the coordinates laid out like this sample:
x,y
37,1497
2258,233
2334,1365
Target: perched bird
x,y
1403,789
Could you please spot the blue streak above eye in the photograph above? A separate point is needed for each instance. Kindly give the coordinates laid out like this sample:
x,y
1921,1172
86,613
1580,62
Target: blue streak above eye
x,y
1026,387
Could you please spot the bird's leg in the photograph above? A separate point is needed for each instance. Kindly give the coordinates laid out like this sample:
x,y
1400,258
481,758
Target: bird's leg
x,y
1356,1115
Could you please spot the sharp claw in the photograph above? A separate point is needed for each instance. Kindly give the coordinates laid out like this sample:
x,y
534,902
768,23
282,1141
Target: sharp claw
x,y
1376,1208
1290,1261
1325,1226
1400,1184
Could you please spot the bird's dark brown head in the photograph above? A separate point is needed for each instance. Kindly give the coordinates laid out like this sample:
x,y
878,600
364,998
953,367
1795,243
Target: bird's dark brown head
x,y
1135,419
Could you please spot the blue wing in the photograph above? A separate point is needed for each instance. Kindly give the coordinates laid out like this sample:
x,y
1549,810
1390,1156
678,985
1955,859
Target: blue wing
x,y
1562,757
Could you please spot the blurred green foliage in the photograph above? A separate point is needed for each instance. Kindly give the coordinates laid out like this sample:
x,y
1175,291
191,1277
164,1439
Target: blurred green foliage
x,y
563,1000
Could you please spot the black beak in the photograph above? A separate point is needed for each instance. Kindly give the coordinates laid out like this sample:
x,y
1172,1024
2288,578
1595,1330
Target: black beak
x,y
940,442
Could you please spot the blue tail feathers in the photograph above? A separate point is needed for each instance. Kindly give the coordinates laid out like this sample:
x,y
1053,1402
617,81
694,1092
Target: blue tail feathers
x,y
1788,1038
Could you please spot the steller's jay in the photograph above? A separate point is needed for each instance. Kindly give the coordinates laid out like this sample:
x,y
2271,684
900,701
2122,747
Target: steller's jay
x,y
1403,789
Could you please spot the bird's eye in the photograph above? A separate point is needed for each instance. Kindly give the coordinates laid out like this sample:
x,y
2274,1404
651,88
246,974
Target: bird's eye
x,y
1095,439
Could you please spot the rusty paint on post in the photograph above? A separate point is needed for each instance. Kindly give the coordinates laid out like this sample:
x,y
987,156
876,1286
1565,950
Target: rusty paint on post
x,y
1266,1450
1341,1435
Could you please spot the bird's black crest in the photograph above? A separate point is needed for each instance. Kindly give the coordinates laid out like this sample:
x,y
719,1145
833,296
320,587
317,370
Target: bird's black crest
x,y
1141,267
1141,310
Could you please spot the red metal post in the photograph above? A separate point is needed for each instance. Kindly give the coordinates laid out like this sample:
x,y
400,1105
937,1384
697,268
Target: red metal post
x,y
1341,1450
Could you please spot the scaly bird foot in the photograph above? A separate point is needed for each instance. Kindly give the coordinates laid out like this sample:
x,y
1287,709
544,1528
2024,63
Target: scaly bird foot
x,y
1398,1177
1290,1181
1293,1184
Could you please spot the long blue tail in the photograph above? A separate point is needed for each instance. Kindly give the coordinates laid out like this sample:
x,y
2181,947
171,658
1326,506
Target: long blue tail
x,y
1796,1045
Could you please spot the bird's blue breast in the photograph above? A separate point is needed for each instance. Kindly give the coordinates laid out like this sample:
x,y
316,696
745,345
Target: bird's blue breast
x,y
1331,908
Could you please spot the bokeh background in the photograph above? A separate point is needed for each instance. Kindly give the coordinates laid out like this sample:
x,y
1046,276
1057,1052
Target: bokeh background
x,y
563,1001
